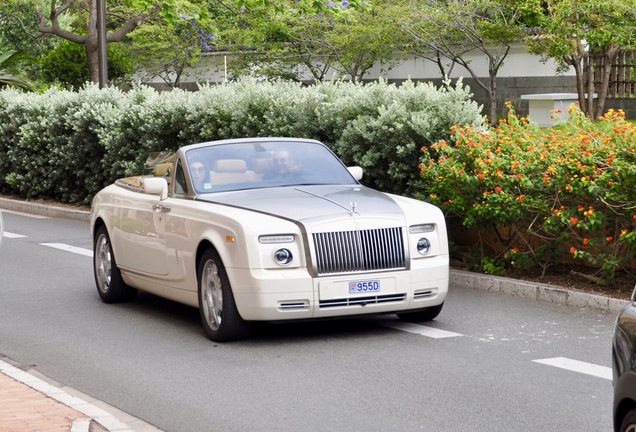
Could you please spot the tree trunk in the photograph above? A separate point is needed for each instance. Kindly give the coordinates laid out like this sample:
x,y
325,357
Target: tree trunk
x,y
492,98
609,57
577,63
92,58
590,87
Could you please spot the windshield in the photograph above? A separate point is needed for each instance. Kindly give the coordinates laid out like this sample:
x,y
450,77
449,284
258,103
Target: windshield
x,y
227,167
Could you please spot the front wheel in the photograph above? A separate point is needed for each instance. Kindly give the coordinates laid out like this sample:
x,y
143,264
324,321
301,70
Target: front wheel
x,y
110,285
427,314
629,422
219,315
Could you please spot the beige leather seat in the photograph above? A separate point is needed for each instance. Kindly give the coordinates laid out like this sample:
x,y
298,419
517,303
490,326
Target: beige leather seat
x,y
230,171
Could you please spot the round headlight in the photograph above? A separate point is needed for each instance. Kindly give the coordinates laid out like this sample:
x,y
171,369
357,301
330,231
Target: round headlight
x,y
423,246
283,256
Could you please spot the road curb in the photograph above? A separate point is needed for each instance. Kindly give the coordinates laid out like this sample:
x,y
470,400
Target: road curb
x,y
536,291
44,210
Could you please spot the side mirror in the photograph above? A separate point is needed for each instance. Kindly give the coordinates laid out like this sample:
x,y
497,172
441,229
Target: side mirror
x,y
357,172
156,186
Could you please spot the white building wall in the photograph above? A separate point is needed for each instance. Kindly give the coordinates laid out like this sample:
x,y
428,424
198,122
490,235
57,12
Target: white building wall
x,y
518,63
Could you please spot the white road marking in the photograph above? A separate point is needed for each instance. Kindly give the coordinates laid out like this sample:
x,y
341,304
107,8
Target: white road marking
x,y
578,366
34,216
68,248
12,235
420,330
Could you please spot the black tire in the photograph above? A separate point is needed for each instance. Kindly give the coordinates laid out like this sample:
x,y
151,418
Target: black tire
x,y
427,314
219,315
110,285
629,421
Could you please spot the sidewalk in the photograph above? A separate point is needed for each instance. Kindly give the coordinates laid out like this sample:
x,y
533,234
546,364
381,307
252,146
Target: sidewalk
x,y
25,409
30,404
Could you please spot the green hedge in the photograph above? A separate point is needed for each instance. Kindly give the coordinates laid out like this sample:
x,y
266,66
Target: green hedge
x,y
67,145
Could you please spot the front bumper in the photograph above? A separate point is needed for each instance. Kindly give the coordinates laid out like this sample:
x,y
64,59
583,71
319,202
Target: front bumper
x,y
287,294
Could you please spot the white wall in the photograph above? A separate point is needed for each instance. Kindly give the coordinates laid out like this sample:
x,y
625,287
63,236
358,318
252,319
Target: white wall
x,y
518,63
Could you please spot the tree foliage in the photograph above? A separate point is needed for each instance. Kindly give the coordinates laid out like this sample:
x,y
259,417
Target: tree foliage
x,y
8,59
66,65
317,46
170,51
76,20
454,30
176,34
570,31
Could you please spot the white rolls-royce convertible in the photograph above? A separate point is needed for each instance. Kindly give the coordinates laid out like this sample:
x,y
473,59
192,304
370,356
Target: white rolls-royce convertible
x,y
267,229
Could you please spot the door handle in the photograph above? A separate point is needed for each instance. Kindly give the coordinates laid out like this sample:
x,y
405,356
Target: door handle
x,y
161,208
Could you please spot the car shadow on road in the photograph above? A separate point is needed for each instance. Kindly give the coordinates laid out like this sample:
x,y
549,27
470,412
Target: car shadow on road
x,y
284,332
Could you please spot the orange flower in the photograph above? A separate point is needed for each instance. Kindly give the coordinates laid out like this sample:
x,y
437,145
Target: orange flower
x,y
574,220
572,250
585,241
609,239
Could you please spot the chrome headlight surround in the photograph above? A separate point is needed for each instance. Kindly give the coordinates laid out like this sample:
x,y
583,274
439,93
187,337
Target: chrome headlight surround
x,y
424,246
283,257
280,256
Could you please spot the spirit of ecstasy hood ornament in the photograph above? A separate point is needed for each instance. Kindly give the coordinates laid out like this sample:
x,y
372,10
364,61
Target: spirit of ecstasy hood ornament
x,y
353,205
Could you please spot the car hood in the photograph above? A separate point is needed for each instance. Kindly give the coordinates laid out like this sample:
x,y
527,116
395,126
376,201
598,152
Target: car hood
x,y
306,202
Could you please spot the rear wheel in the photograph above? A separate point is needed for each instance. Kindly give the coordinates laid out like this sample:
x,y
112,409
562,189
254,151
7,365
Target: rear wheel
x,y
629,422
427,314
110,285
219,315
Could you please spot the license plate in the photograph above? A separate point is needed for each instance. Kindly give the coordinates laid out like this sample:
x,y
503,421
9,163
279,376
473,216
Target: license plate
x,y
369,286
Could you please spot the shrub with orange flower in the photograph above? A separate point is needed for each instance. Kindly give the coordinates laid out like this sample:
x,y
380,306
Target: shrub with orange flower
x,y
543,191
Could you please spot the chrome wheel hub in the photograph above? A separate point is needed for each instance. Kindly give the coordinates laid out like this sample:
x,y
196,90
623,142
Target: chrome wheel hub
x,y
103,263
212,294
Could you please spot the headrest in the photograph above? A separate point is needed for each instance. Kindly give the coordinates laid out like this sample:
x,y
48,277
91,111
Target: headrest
x,y
230,165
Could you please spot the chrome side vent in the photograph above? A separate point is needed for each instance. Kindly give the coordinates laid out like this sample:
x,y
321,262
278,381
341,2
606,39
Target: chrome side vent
x,y
294,305
359,251
362,301
424,294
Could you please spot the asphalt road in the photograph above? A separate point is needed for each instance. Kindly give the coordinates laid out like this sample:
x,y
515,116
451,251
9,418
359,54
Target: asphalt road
x,y
490,362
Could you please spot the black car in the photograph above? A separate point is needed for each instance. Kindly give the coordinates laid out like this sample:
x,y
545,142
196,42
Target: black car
x,y
624,368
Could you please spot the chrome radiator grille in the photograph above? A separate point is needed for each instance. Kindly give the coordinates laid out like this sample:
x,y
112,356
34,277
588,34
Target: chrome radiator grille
x,y
359,251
